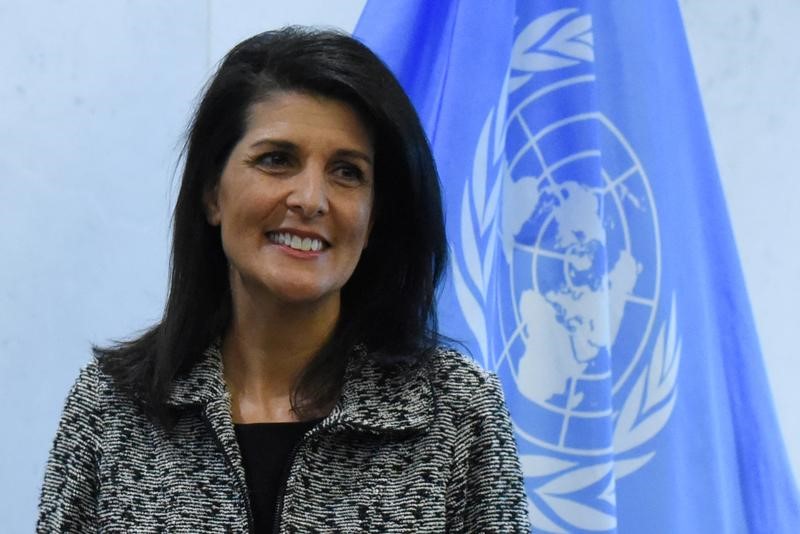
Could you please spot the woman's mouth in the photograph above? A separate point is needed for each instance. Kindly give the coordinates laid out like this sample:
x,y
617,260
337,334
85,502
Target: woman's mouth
x,y
293,241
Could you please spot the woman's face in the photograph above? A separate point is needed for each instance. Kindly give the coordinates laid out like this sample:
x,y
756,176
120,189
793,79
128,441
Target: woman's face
x,y
294,201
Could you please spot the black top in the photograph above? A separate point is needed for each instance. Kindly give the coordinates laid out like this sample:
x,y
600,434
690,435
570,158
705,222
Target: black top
x,y
266,453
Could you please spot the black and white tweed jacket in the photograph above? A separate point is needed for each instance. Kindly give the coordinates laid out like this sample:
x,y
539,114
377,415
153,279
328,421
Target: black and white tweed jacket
x,y
429,453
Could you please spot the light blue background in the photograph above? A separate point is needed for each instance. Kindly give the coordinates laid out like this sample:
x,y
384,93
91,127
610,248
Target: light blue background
x,y
94,96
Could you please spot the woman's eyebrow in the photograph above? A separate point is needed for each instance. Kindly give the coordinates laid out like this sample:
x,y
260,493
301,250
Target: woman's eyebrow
x,y
357,154
276,143
292,147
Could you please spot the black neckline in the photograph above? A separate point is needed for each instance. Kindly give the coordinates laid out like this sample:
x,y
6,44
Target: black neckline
x,y
278,424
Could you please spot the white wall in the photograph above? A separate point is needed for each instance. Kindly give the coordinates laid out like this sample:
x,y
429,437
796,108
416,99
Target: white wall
x,y
94,98
747,61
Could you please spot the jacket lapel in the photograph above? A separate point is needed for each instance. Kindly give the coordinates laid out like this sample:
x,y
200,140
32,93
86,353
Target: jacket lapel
x,y
203,389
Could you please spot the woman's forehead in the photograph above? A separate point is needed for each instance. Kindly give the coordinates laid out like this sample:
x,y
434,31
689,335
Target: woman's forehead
x,y
298,116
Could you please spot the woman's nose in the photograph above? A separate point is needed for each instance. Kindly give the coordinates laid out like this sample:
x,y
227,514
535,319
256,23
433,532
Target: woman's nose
x,y
308,195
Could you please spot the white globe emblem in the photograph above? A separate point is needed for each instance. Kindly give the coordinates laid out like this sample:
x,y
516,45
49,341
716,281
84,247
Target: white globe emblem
x,y
579,241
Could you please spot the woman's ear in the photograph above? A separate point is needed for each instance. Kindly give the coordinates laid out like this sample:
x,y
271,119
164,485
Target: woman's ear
x,y
211,204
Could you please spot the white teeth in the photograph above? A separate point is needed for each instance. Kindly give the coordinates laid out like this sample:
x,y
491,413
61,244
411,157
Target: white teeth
x,y
296,242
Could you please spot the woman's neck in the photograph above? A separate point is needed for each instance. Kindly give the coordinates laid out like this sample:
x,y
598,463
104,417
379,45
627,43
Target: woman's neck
x,y
265,350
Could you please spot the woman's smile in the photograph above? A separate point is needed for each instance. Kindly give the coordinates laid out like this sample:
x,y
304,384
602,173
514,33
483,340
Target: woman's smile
x,y
298,242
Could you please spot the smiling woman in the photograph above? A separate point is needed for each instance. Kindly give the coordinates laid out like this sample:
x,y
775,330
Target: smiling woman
x,y
296,381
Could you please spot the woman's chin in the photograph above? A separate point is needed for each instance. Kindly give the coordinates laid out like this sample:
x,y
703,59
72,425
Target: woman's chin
x,y
283,290
306,298
295,295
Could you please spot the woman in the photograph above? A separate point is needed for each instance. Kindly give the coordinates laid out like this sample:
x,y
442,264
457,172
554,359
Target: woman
x,y
295,382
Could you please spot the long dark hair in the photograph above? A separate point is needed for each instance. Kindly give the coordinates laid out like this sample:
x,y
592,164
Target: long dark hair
x,y
388,305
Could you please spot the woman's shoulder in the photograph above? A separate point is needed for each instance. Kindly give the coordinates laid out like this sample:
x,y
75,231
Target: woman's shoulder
x,y
92,379
93,388
81,418
455,375
87,385
449,363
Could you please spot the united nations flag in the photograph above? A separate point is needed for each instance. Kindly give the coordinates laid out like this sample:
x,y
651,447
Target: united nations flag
x,y
593,267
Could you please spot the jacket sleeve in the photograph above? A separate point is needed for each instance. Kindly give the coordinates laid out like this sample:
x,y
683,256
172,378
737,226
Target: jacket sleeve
x,y
69,494
493,490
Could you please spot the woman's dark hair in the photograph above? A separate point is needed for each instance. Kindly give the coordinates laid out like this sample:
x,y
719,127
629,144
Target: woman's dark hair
x,y
388,305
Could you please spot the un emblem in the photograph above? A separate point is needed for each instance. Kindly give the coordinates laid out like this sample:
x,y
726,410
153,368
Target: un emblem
x,y
558,278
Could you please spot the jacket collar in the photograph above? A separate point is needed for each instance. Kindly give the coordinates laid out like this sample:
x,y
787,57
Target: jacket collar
x,y
202,384
373,399
384,400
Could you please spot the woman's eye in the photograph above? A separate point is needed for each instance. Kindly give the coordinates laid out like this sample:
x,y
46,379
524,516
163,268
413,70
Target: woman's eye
x,y
273,160
349,173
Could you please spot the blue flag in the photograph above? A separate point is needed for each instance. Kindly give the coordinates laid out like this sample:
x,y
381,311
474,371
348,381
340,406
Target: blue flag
x,y
593,265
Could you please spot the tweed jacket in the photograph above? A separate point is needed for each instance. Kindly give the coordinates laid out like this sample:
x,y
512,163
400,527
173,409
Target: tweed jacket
x,y
432,451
